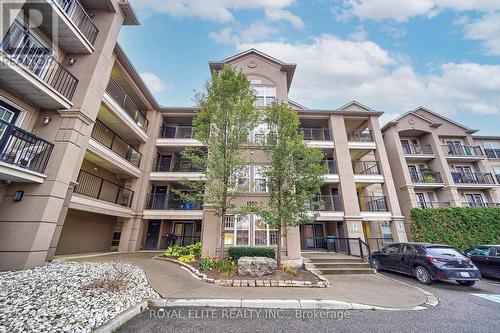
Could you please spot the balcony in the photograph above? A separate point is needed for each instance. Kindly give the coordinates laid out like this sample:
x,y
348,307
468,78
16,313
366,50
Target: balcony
x,y
169,206
463,152
329,207
30,70
474,179
23,156
98,188
367,172
432,204
67,23
171,169
492,153
365,135
177,136
373,204
417,152
426,178
481,204
127,110
113,141
318,137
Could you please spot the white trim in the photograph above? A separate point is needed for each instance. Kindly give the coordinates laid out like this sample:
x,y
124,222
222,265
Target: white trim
x,y
174,176
320,144
376,216
80,202
20,175
369,145
369,179
107,154
172,214
170,142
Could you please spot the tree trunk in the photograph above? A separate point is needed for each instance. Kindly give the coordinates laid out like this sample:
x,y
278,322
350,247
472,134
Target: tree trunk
x,y
222,233
280,238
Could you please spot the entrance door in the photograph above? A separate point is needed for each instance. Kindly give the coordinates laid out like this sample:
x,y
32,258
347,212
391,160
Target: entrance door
x,y
8,115
421,200
159,197
153,235
314,236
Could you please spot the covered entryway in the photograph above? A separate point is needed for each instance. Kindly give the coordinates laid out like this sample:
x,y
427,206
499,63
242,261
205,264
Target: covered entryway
x,y
161,234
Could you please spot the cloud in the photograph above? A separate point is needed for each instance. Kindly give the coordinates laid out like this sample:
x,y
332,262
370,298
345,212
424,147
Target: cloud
x,y
213,10
257,31
359,34
403,10
154,83
277,14
332,70
487,30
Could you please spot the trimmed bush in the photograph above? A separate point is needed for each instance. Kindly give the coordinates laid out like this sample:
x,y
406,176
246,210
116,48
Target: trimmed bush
x,y
460,227
237,252
179,251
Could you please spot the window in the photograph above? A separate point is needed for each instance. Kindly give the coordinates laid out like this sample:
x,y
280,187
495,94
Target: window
x,y
237,228
264,236
260,133
241,179
407,249
265,96
386,231
479,251
475,199
391,249
260,178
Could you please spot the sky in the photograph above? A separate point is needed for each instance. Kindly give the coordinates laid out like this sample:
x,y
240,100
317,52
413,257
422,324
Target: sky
x,y
391,55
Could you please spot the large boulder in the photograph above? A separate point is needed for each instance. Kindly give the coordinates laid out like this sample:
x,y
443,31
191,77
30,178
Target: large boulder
x,y
256,266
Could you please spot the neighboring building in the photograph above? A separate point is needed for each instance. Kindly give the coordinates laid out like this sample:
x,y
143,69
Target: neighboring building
x,y
436,162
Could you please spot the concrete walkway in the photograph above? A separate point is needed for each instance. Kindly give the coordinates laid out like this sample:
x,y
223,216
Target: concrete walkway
x,y
171,281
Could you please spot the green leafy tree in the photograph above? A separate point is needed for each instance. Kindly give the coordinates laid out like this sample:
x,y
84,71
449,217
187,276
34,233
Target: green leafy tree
x,y
226,116
295,175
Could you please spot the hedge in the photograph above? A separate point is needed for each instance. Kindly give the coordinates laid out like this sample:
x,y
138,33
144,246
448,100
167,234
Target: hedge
x,y
237,252
460,227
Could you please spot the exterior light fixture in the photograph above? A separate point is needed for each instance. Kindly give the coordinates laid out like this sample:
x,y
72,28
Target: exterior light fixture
x,y
46,120
72,61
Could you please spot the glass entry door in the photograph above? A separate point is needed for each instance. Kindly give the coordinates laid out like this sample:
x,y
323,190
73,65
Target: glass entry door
x,y
314,236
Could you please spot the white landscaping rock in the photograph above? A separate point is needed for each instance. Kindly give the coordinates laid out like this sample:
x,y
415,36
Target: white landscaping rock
x,y
57,298
256,266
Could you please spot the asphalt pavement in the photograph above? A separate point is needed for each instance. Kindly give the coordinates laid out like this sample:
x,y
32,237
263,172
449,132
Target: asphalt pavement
x,y
459,310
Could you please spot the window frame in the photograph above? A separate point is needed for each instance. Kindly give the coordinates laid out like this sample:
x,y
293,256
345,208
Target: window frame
x,y
268,230
235,229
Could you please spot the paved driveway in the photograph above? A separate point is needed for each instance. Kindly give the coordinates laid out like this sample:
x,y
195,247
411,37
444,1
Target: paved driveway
x,y
172,281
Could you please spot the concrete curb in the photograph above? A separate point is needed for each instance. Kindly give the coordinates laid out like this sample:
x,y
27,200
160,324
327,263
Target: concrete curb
x,y
114,324
257,283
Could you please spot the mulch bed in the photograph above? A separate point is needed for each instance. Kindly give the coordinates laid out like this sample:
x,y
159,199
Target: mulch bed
x,y
278,275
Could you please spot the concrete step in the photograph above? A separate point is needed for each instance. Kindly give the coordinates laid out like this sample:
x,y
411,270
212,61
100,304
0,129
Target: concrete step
x,y
344,271
336,260
323,265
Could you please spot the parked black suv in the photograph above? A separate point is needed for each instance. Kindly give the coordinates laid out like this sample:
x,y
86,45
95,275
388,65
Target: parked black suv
x,y
486,258
427,262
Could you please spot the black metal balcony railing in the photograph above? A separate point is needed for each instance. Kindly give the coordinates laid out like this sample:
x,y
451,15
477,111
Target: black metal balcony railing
x,y
432,204
360,135
317,134
124,100
413,149
462,150
79,16
425,177
492,153
98,188
481,204
373,204
24,50
171,240
366,167
332,167
113,141
162,201
23,149
328,203
472,178
177,132
168,164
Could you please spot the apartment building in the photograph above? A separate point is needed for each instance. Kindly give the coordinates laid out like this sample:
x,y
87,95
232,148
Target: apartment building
x,y
63,141
358,198
436,162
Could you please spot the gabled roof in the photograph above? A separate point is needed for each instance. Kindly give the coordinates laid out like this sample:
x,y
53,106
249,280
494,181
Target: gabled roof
x,y
355,103
434,123
296,105
285,67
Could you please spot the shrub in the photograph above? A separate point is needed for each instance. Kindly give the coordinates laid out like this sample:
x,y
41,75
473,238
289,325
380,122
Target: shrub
x,y
178,251
237,252
460,227
187,258
226,267
206,264
114,281
289,270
